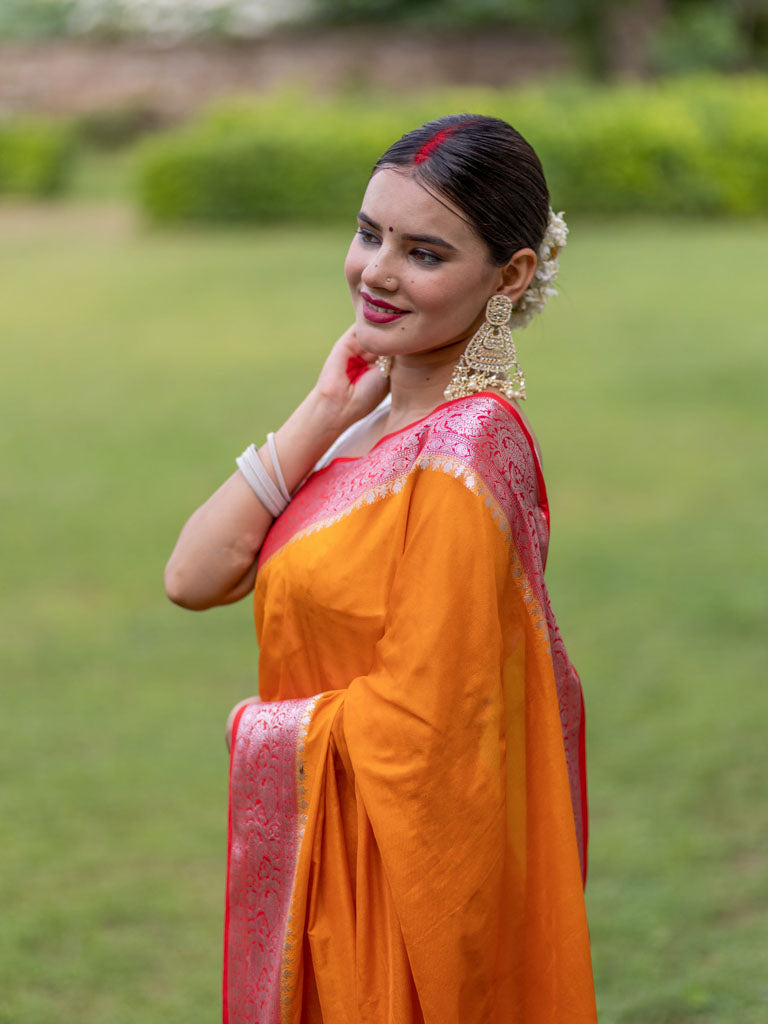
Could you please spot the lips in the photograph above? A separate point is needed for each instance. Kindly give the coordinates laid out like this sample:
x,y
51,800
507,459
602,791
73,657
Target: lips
x,y
377,311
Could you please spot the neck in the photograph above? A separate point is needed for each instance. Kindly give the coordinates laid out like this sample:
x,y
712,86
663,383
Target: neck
x,y
417,381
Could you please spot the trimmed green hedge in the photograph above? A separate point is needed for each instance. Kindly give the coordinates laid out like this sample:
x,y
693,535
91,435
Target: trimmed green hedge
x,y
245,161
697,146
35,156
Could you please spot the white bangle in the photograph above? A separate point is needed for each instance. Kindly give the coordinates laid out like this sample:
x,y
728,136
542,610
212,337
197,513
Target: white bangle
x,y
276,466
260,482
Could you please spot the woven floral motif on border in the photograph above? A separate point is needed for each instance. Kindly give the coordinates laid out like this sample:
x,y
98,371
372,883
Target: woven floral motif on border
x,y
267,825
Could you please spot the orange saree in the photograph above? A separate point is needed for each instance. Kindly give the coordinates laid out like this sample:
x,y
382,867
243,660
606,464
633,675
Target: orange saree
x,y
407,805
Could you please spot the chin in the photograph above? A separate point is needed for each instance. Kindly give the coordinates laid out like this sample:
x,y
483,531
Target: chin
x,y
374,338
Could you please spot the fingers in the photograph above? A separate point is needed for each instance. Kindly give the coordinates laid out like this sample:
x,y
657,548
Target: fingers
x,y
349,380
348,341
368,391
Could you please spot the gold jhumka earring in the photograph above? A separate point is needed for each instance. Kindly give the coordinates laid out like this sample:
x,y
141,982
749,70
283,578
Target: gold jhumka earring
x,y
490,358
384,364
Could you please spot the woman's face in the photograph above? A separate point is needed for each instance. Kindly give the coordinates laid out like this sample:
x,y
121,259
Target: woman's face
x,y
418,274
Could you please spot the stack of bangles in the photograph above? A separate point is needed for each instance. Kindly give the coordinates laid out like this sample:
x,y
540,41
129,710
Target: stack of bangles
x,y
274,499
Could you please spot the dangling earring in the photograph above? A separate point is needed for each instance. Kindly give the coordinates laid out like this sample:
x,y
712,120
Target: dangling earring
x,y
384,364
490,358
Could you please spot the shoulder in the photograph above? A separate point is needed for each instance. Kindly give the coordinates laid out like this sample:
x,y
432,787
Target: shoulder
x,y
483,440
480,428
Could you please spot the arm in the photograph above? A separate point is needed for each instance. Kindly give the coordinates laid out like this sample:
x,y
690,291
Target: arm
x,y
214,560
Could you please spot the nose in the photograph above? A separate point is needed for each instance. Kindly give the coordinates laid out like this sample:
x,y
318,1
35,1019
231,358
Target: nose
x,y
379,273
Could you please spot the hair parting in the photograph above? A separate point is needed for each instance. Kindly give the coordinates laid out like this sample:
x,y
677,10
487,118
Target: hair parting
x,y
432,144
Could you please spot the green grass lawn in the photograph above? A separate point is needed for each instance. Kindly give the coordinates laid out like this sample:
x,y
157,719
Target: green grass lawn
x,y
136,366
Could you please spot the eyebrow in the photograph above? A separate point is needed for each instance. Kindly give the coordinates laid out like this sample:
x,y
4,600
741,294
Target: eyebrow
x,y
428,239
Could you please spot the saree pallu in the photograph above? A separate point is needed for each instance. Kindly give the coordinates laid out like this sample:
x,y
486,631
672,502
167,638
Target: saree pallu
x,y
407,806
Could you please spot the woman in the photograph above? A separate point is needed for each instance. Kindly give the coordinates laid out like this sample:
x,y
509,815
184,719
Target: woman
x,y
407,799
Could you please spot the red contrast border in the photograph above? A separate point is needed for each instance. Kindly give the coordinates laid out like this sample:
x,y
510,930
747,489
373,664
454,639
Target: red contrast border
x,y
544,501
225,977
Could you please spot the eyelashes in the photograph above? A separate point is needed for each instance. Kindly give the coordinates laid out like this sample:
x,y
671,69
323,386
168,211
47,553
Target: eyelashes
x,y
367,236
423,256
426,257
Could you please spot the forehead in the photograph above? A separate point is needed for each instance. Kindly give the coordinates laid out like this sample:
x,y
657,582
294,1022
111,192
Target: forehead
x,y
395,199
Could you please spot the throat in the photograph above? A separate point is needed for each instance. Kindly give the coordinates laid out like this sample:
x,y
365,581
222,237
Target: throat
x,y
417,383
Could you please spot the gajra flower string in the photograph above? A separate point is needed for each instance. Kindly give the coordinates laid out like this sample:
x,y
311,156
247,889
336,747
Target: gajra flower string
x,y
547,269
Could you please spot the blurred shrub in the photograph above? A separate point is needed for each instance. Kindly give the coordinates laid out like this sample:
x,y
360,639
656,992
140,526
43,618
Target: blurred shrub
x,y
282,160
34,19
705,35
117,127
696,146
169,20
680,146
35,156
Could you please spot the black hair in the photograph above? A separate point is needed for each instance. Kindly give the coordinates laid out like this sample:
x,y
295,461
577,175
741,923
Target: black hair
x,y
487,170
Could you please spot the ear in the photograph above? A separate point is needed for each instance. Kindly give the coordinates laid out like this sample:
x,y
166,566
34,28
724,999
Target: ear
x,y
518,274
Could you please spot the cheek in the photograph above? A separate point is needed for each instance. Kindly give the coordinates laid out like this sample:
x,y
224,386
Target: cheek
x,y
434,298
352,266
449,299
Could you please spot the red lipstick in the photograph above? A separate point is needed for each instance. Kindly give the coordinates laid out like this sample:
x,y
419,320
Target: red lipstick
x,y
377,311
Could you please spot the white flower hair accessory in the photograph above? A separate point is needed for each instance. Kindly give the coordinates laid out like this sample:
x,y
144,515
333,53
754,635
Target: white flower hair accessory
x,y
539,290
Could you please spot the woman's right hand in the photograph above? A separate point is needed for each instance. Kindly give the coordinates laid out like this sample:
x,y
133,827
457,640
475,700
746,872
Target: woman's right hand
x,y
347,396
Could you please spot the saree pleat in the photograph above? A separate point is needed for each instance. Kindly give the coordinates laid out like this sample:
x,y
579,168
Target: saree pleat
x,y
428,866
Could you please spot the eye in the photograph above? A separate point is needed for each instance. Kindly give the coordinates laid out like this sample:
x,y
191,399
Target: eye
x,y
429,259
367,237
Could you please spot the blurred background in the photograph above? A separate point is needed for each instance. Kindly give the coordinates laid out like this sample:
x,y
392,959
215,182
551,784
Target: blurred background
x,y
178,185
